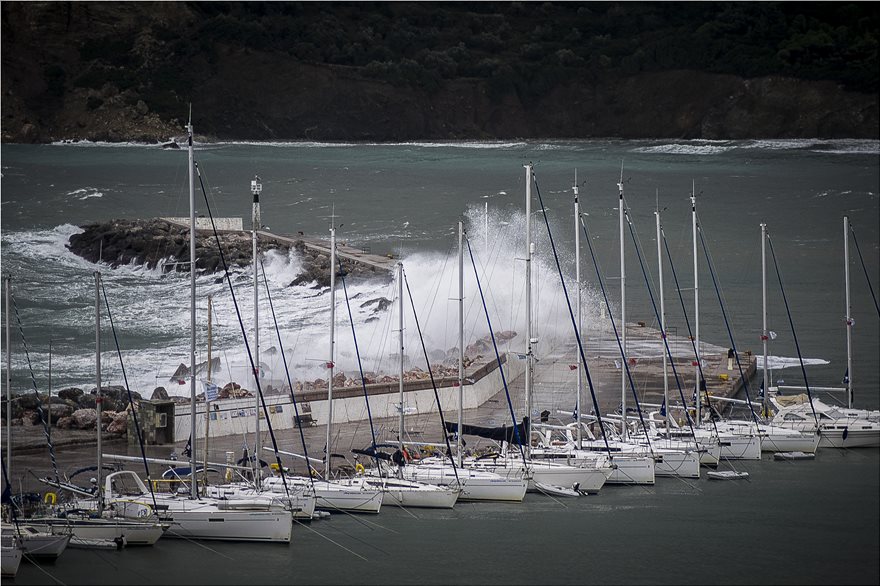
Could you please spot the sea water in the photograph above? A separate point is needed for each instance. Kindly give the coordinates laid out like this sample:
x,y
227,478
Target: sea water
x,y
791,522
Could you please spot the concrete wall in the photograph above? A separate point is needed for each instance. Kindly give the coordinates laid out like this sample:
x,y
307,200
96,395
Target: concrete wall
x,y
205,223
237,416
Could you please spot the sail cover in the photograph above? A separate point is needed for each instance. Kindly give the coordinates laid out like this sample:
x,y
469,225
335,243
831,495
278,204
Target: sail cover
x,y
504,433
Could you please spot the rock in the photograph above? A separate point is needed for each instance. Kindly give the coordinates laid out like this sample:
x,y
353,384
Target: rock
x,y
71,393
159,394
58,411
84,418
65,423
119,425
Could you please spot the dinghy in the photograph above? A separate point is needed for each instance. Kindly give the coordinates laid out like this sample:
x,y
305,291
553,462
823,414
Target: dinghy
x,y
726,475
554,490
793,456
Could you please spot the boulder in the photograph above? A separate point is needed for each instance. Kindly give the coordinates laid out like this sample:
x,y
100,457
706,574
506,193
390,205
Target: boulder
x,y
119,425
58,411
65,423
84,418
71,394
159,394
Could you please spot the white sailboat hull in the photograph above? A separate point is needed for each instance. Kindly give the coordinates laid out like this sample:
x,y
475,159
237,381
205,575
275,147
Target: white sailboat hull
x,y
198,519
677,464
10,556
131,531
405,493
42,543
343,495
298,500
627,468
475,485
866,437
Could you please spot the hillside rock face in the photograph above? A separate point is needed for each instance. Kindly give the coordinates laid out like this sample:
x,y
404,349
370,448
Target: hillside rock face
x,y
64,79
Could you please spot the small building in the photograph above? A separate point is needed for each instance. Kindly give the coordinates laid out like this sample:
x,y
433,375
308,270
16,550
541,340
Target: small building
x,y
156,420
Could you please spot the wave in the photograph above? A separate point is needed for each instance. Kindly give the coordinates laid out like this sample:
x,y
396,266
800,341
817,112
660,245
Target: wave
x,y
685,149
779,362
85,193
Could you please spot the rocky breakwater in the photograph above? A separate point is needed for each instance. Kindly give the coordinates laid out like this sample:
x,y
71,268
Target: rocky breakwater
x,y
74,408
159,243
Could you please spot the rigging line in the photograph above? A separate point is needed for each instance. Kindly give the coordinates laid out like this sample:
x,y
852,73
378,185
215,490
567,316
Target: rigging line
x,y
46,431
289,383
727,324
433,383
130,399
793,334
662,325
360,368
623,359
701,384
257,472
36,564
519,440
336,543
864,268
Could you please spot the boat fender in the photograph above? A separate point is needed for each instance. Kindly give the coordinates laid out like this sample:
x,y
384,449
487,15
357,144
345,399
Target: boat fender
x,y
359,468
50,498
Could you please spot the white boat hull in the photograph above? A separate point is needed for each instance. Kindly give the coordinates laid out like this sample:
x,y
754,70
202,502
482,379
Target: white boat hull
x,y
677,464
627,468
475,485
298,500
833,436
42,543
351,498
196,521
10,557
412,494
132,531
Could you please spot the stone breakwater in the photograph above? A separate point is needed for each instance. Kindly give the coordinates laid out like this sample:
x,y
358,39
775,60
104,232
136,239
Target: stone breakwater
x,y
160,243
74,408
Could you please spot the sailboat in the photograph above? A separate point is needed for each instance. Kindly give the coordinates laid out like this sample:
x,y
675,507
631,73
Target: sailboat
x,y
353,495
475,484
632,462
838,427
195,516
774,438
396,489
86,515
734,446
28,540
540,472
299,500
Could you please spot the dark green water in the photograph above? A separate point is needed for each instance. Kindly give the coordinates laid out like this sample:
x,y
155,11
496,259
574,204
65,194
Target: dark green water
x,y
793,522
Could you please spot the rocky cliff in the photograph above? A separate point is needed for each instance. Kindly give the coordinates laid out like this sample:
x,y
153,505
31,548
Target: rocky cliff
x,y
107,71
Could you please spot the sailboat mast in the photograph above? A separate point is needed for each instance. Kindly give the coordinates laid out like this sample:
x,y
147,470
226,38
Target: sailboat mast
x,y
529,252
330,363
577,278
207,402
849,321
193,494
98,396
8,286
663,322
256,189
460,337
765,335
698,357
400,323
621,204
